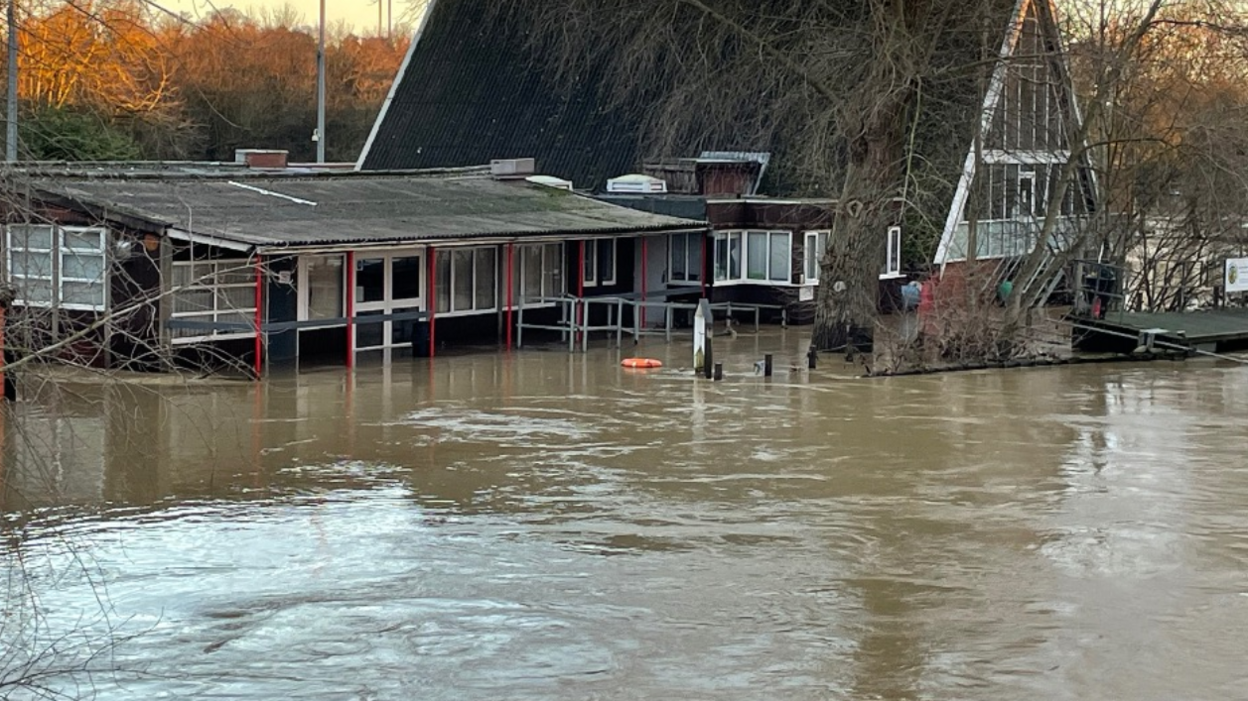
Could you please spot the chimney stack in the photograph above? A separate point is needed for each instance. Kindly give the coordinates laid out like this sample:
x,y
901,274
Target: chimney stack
x,y
259,158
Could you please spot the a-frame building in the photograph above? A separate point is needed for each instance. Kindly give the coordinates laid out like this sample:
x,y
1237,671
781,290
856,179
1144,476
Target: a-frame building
x,y
1028,135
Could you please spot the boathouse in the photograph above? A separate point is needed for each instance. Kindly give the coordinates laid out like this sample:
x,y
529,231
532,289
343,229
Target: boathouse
x,y
267,264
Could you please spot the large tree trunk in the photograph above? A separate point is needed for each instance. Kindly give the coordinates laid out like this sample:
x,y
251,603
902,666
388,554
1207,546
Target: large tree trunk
x,y
848,297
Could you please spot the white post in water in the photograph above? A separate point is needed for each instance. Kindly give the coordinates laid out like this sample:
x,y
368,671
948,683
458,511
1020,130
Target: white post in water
x,y
702,319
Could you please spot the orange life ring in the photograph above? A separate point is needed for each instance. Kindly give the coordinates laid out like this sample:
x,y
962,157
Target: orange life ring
x,y
641,363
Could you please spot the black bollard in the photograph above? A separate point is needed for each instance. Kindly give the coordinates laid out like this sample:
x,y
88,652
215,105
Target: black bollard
x,y
710,357
767,365
812,358
719,371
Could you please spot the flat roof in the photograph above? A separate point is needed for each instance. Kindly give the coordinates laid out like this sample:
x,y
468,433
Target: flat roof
x,y
285,208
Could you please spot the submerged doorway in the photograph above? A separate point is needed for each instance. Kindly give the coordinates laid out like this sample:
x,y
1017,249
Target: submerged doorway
x,y
387,284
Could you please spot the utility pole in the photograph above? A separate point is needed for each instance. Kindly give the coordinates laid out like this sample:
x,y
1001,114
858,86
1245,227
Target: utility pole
x,y
10,137
320,90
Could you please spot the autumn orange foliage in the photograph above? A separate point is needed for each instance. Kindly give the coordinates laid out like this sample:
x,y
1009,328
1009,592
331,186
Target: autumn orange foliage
x,y
198,89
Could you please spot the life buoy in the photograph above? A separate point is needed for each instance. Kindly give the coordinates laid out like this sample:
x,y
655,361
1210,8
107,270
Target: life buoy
x,y
641,363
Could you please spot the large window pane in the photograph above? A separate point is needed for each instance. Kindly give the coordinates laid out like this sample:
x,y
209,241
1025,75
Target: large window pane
x,y
487,279
462,280
236,298
781,260
31,237
679,245
552,283
405,275
531,271
734,256
369,335
83,293
83,267
83,240
443,281
606,262
370,279
34,291
28,264
325,282
192,300
589,255
756,260
694,244
721,257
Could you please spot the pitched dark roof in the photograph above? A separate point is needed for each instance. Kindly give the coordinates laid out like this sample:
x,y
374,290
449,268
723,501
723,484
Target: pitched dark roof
x,y
352,208
470,92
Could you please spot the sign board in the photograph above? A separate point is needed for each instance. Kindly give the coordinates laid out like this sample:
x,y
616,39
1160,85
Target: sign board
x,y
806,294
1235,278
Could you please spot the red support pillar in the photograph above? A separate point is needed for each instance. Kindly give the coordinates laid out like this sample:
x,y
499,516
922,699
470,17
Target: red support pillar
x,y
350,284
259,314
510,299
433,294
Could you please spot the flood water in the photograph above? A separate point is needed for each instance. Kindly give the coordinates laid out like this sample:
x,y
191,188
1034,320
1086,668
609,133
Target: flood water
x,y
551,526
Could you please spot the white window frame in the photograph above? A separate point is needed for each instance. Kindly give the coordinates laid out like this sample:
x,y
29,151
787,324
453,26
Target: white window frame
x,y
816,245
476,251
520,280
211,282
744,277
303,289
721,240
892,256
56,259
592,262
696,238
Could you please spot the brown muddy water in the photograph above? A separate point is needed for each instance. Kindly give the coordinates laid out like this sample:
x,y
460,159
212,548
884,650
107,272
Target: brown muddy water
x,y
551,526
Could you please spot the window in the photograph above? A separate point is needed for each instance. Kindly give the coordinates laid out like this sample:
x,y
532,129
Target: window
x,y
541,272
686,257
59,266
756,255
323,287
599,263
727,256
467,280
214,292
892,260
816,246
780,258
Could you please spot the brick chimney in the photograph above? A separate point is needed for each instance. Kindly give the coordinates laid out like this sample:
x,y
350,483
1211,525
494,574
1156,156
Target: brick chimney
x,y
261,158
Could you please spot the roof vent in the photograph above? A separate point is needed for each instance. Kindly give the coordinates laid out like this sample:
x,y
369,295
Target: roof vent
x,y
513,167
550,181
643,184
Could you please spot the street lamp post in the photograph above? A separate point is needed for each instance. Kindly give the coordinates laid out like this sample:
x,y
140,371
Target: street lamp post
x,y
320,90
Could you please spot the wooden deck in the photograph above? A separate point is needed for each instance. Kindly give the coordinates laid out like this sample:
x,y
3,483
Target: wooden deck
x,y
1216,330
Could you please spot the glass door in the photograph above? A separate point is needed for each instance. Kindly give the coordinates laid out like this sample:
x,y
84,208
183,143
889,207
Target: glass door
x,y
387,284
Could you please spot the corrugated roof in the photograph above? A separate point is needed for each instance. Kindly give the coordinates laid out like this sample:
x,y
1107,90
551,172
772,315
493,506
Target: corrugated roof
x,y
472,90
355,208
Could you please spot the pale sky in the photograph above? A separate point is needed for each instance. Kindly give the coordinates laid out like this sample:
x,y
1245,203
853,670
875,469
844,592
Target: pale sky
x,y
360,14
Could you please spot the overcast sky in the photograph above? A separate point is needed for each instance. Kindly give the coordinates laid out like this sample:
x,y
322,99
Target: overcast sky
x,y
361,14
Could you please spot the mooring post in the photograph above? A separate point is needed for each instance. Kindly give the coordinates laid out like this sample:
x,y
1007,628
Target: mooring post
x,y
812,357
767,365
719,372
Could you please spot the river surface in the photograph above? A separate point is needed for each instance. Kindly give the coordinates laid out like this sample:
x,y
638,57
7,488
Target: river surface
x,y
550,526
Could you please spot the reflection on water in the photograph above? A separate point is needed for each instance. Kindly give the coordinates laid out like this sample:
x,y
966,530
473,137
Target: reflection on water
x,y
548,525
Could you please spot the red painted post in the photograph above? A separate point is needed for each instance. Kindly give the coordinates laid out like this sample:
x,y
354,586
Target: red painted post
x,y
510,300
259,312
433,293
350,309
